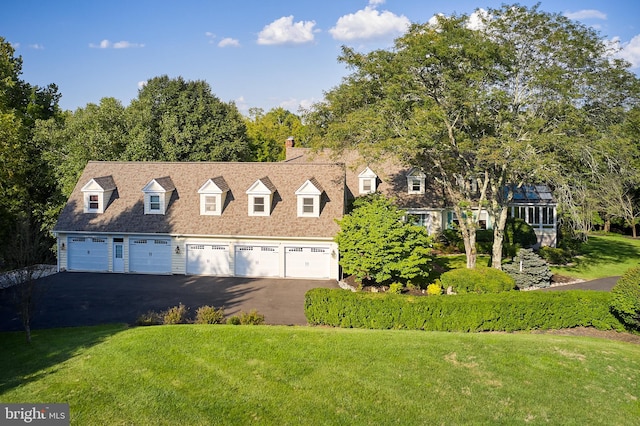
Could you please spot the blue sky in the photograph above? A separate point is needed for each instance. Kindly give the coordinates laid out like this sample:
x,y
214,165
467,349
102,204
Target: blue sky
x,y
257,53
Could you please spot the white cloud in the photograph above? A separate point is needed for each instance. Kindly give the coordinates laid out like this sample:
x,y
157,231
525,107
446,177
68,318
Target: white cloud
x,y
285,31
631,52
142,83
229,42
586,14
375,3
211,36
369,23
294,104
36,46
475,21
106,44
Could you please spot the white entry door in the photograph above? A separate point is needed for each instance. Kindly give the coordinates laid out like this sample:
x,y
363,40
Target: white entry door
x,y
208,259
118,257
257,261
308,262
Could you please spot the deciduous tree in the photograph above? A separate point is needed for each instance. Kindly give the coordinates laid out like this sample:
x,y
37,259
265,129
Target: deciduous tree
x,y
377,243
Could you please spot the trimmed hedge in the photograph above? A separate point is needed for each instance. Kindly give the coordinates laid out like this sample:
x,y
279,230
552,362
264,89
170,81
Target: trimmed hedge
x,y
477,280
509,311
625,298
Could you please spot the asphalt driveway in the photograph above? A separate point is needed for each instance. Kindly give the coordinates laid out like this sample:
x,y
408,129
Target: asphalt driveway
x,y
70,299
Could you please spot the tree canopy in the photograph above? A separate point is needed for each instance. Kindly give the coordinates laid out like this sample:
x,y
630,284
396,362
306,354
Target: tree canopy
x,y
507,102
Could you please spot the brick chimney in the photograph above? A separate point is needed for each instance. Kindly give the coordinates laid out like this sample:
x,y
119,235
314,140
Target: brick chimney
x,y
290,143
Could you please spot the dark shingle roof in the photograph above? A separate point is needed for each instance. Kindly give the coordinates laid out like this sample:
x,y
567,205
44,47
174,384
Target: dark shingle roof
x,y
125,213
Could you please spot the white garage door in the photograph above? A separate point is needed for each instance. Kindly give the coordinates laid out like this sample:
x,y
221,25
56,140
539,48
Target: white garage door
x,y
88,254
150,255
307,262
208,259
257,261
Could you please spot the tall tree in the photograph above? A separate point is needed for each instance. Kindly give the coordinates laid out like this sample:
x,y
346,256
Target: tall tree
x,y
268,132
95,132
178,120
27,184
481,109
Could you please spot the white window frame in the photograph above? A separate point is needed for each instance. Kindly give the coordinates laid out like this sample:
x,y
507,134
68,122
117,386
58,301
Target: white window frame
x,y
155,203
367,182
259,191
88,202
211,191
309,195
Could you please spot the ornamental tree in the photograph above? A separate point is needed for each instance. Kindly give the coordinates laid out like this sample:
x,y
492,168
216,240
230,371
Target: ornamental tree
x,y
378,243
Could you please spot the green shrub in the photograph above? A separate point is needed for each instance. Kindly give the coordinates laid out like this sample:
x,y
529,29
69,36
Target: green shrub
x,y
251,318
234,320
555,255
529,270
209,315
396,288
478,280
149,318
176,315
625,299
507,311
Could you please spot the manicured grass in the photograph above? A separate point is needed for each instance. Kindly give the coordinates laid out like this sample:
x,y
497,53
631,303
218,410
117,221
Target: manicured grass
x,y
605,255
200,375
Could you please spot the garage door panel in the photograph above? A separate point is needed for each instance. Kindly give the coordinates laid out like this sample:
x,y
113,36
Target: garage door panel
x,y
257,261
150,255
208,259
88,254
308,262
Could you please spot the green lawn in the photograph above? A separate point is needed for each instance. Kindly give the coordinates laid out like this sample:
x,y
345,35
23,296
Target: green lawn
x,y
201,375
603,256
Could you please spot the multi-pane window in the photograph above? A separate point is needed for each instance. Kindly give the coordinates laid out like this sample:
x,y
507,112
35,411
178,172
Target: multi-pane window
x,y
366,185
258,205
416,185
94,203
210,205
154,202
307,205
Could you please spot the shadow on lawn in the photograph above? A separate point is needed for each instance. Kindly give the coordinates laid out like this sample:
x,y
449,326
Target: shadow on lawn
x,y
23,363
598,251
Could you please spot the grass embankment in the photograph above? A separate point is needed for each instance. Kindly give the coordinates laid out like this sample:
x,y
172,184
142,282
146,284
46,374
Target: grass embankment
x,y
192,375
605,255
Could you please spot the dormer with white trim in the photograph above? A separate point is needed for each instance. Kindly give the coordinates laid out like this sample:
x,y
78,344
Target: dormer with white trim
x,y
97,193
309,198
213,195
367,181
416,181
260,197
157,195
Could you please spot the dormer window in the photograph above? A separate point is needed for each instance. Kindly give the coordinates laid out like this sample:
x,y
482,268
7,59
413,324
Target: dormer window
x,y
416,181
213,194
260,197
309,198
367,181
157,195
97,193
